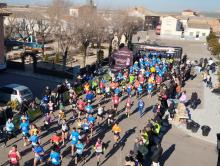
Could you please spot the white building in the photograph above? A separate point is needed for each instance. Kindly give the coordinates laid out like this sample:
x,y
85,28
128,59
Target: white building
x,y
171,26
74,12
197,31
185,28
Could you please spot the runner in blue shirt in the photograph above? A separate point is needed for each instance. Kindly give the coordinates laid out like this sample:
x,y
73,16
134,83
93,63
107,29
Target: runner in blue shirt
x,y
38,154
150,88
140,107
89,97
117,91
55,157
79,152
139,91
24,126
89,108
91,120
74,137
34,139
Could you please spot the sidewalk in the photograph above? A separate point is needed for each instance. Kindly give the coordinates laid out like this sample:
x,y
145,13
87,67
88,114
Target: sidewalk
x,y
207,113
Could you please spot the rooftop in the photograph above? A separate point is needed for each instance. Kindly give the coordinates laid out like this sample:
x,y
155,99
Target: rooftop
x,y
4,12
188,10
198,25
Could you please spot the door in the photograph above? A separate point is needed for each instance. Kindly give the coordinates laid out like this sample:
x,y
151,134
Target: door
x,y
14,95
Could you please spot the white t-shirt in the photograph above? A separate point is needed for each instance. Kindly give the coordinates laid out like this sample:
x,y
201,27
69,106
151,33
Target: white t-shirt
x,y
100,110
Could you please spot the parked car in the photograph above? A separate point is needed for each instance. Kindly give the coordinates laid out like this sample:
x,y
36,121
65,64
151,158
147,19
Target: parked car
x,y
12,92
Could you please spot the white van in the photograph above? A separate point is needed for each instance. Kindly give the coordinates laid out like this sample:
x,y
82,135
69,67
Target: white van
x,y
13,92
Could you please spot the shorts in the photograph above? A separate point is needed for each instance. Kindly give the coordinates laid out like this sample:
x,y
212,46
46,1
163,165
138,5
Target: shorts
x,y
39,158
25,134
100,115
98,153
14,164
78,155
117,134
115,105
73,142
64,131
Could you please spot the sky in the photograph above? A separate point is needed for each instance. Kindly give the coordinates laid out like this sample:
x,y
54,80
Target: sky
x,y
155,5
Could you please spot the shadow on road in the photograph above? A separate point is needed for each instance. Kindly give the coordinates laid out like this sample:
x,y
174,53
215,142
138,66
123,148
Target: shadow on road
x,y
121,144
167,154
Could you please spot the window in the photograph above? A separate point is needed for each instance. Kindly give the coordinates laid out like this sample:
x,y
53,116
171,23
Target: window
x,y
6,90
203,34
191,34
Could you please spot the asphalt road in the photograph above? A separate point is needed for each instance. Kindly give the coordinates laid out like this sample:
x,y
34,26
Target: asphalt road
x,y
179,148
35,84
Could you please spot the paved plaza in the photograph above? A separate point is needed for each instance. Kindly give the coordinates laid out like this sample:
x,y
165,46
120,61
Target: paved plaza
x,y
181,147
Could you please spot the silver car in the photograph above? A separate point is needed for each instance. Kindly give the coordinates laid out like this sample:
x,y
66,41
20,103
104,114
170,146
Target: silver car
x,y
13,92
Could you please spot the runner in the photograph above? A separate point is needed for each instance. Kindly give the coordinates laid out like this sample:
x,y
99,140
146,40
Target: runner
x,y
55,139
34,139
111,113
140,107
24,126
98,150
91,120
128,106
74,137
79,152
100,113
55,157
115,100
38,154
65,129
116,131
14,156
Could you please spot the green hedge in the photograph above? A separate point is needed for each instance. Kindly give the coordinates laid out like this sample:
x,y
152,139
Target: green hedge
x,y
32,113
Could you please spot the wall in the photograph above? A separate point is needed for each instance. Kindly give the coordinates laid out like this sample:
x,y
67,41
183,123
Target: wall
x,y
191,33
2,49
169,26
74,12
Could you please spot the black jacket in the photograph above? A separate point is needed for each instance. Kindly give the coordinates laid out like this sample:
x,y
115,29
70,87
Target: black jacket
x,y
157,153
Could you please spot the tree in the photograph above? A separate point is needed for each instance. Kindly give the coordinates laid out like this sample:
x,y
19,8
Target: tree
x,y
85,29
43,31
213,44
62,32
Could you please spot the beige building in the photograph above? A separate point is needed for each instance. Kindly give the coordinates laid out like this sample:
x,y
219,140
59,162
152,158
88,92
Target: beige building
x,y
189,13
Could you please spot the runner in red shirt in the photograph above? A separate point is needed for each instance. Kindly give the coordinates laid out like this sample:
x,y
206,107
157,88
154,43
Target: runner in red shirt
x,y
115,100
81,106
14,156
128,106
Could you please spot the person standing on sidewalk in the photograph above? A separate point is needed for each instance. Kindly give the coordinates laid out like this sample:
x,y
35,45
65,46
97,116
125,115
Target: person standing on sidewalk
x,y
9,131
140,107
156,156
14,156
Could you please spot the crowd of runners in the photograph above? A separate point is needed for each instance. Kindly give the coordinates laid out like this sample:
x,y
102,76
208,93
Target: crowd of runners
x,y
151,74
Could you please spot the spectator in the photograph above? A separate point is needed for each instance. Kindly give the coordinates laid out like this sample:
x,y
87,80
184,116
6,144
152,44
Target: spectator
x,y
157,153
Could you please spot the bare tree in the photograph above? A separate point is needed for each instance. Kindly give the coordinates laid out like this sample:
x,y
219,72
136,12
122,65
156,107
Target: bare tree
x,y
56,12
43,31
